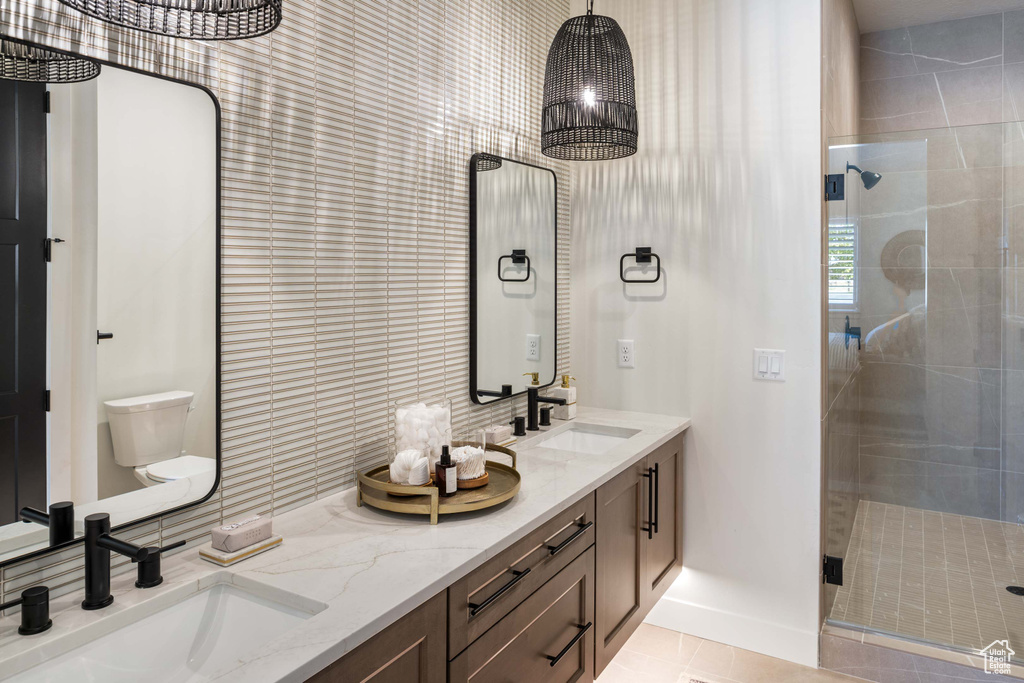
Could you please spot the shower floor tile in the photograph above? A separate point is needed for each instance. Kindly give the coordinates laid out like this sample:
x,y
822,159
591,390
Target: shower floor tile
x,y
933,576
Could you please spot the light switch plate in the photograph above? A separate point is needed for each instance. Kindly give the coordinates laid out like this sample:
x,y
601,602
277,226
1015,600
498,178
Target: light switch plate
x,y
626,353
533,347
770,365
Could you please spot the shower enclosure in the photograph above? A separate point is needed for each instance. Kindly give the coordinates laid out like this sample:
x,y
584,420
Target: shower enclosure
x,y
925,429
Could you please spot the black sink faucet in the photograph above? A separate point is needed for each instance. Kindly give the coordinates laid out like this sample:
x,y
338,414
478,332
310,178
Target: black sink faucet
x,y
60,521
98,544
533,401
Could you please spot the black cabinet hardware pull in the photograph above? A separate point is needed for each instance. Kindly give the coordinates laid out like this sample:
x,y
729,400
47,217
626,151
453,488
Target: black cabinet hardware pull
x,y
518,257
642,255
582,529
475,609
657,489
103,335
575,639
649,527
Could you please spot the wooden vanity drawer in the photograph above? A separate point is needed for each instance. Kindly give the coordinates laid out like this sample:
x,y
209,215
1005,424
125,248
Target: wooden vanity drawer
x,y
548,638
478,601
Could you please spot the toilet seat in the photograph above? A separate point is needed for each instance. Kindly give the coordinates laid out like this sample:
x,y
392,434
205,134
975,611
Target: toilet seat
x,y
182,467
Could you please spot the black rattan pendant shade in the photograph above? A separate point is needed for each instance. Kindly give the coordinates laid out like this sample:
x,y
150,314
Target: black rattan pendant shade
x,y
196,19
589,92
19,62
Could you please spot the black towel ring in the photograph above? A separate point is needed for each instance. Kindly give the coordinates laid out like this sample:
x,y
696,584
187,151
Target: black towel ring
x,y
642,255
518,257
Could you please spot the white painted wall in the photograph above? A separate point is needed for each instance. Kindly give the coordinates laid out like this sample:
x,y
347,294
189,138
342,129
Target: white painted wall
x,y
726,188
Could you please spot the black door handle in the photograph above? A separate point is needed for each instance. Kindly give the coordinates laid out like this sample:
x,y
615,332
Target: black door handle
x,y
475,609
103,335
657,490
575,639
581,529
649,528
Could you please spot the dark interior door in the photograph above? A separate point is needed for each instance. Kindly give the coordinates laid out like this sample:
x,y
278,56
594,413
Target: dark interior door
x,y
22,297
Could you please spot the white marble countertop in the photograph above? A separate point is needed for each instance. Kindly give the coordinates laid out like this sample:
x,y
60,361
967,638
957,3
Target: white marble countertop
x,y
369,567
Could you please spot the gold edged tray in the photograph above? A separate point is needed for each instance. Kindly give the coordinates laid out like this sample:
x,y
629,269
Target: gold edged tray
x,y
374,489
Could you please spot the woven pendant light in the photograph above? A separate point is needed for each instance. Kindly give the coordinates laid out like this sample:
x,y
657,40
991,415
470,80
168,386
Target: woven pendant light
x,y
20,62
589,92
195,19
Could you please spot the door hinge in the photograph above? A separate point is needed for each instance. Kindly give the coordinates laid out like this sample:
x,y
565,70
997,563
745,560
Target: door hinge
x,y
832,571
46,400
48,247
835,187
46,102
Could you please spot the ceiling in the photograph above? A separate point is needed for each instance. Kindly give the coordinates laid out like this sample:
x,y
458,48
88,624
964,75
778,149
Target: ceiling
x,y
878,15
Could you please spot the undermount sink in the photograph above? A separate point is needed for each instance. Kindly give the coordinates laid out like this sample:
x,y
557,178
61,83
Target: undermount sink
x,y
592,439
187,635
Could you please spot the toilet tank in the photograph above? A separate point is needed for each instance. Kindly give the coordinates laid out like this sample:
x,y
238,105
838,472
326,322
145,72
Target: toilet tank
x,y
148,429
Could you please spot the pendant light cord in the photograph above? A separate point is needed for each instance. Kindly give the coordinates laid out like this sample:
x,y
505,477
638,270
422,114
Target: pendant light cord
x,y
590,7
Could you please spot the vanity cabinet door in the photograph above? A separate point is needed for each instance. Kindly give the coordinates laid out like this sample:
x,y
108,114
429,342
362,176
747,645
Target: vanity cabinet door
x,y
548,638
621,558
665,549
412,650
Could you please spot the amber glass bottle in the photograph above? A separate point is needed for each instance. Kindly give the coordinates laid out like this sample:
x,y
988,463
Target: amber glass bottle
x,y
445,473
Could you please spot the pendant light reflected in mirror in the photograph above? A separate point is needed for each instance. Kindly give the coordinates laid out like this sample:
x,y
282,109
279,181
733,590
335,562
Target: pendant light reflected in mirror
x,y
589,92
195,19
20,62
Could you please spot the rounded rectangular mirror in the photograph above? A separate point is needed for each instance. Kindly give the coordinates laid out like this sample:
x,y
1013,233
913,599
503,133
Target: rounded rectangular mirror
x,y
109,302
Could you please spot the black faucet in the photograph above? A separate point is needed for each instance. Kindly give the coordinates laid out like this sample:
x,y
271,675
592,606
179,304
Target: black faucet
x,y
533,401
98,544
35,610
60,520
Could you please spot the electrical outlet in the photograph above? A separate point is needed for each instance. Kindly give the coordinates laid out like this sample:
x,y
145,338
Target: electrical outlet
x,y
626,353
533,347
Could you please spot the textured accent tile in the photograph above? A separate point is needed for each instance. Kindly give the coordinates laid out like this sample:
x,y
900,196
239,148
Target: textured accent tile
x,y
346,136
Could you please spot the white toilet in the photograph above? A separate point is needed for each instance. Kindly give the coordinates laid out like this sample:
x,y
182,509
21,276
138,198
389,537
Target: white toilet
x,y
148,433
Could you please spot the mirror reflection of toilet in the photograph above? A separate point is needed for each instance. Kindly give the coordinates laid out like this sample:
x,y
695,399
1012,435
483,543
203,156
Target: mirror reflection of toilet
x,y
148,433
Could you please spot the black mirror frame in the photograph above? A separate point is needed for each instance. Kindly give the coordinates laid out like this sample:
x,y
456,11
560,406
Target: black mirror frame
x,y
474,272
217,311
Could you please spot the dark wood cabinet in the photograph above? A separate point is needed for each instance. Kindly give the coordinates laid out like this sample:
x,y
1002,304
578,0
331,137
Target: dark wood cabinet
x,y
548,638
664,550
412,650
639,518
620,561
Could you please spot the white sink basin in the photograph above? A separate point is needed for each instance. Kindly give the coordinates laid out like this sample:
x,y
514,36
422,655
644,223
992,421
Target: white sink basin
x,y
592,439
204,630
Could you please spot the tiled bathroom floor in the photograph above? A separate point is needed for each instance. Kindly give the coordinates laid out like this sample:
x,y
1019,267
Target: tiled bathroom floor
x,y
933,576
657,655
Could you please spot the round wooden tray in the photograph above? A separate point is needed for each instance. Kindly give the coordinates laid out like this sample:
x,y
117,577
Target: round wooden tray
x,y
375,490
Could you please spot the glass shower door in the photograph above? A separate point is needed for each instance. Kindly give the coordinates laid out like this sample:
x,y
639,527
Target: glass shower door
x,y
925,450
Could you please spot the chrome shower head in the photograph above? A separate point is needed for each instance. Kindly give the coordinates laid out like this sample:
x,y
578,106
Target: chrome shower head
x,y
869,178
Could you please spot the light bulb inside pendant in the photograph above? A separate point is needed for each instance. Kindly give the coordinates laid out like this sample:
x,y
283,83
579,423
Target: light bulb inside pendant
x,y
589,97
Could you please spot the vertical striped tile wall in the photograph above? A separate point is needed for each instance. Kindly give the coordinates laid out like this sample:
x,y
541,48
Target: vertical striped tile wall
x,y
346,140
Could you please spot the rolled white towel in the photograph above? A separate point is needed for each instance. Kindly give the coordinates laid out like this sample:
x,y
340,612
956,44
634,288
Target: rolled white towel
x,y
420,473
403,464
469,462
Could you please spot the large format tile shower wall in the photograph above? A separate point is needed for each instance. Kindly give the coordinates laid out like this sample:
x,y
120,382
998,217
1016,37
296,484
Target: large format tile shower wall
x,y
346,140
940,421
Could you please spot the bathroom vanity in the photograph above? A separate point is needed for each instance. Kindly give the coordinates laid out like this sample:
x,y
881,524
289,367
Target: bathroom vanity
x,y
354,593
556,605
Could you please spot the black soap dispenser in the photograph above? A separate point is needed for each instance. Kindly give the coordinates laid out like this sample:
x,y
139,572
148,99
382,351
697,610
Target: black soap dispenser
x,y
446,475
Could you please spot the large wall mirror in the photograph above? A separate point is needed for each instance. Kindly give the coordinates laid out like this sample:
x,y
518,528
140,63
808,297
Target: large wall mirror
x,y
109,300
512,262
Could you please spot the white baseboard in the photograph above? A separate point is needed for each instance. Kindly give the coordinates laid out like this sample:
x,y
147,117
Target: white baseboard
x,y
745,632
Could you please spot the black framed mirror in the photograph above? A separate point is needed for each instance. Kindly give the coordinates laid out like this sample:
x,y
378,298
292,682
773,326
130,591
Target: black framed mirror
x,y
513,288
110,374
